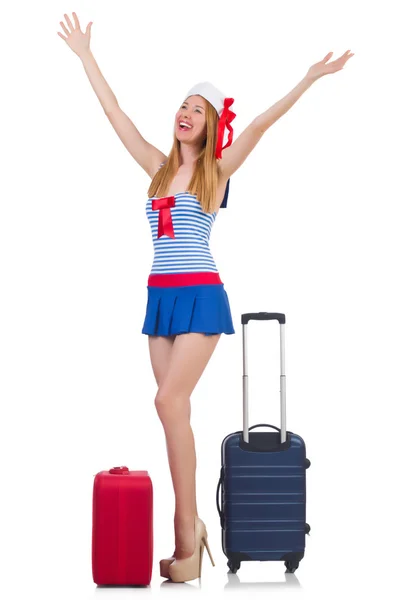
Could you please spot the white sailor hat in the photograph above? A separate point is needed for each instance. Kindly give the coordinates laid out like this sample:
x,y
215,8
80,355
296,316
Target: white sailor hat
x,y
222,106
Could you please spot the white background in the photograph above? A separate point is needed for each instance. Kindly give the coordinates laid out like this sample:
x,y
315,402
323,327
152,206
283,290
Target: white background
x,y
309,231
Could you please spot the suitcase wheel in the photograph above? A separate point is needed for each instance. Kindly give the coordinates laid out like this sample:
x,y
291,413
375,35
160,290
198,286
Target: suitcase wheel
x,y
233,565
291,566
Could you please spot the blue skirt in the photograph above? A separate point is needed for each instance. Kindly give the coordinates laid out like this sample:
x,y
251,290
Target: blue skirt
x,y
190,308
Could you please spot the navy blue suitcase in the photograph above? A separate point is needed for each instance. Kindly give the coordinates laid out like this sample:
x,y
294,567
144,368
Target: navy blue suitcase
x,y
263,482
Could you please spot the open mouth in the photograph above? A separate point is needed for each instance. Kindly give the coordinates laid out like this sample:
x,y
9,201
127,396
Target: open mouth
x,y
183,127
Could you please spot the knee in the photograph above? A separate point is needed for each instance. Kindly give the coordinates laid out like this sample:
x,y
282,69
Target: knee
x,y
170,407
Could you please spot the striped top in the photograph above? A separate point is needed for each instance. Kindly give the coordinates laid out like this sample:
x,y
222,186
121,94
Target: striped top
x,y
188,251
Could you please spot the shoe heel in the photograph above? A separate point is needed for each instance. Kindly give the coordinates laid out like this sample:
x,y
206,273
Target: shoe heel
x,y
200,559
208,550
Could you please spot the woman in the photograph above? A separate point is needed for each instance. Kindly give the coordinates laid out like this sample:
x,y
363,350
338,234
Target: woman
x,y
187,308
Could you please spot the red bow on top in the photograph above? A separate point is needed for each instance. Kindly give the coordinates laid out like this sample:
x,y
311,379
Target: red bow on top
x,y
225,119
163,205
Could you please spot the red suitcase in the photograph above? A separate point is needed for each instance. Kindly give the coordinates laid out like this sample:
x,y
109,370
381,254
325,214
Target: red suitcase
x,y
122,527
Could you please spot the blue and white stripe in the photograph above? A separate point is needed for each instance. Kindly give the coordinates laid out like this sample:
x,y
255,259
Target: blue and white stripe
x,y
189,251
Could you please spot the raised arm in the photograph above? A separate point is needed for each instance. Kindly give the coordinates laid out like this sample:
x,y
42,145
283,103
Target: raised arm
x,y
145,154
234,156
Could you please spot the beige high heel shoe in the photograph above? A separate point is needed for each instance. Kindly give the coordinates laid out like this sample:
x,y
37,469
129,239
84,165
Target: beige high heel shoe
x,y
165,565
186,569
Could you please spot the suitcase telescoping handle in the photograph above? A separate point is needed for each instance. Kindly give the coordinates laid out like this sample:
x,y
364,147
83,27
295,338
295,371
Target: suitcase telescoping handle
x,y
264,316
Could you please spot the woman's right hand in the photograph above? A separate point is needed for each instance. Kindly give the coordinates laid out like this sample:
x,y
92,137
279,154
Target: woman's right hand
x,y
78,41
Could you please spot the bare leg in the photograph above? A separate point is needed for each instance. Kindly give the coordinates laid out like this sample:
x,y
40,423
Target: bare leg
x,y
160,348
189,357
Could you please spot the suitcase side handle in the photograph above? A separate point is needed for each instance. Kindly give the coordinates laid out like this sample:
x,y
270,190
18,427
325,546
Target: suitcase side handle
x,y
221,515
262,316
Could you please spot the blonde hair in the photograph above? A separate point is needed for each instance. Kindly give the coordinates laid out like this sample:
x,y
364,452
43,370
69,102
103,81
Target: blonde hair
x,y
204,181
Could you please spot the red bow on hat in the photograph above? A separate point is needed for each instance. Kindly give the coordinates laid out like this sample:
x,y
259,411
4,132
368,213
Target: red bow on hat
x,y
225,119
165,226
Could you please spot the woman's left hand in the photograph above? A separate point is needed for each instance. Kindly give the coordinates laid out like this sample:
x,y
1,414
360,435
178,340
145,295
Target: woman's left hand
x,y
323,68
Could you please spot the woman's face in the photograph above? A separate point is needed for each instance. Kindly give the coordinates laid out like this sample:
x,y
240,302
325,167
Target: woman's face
x,y
192,112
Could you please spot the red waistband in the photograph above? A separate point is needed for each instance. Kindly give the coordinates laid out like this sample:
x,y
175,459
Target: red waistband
x,y
178,279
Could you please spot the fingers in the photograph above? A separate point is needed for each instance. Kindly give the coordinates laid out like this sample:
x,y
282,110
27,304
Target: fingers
x,y
76,20
346,55
69,22
75,27
64,28
339,63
